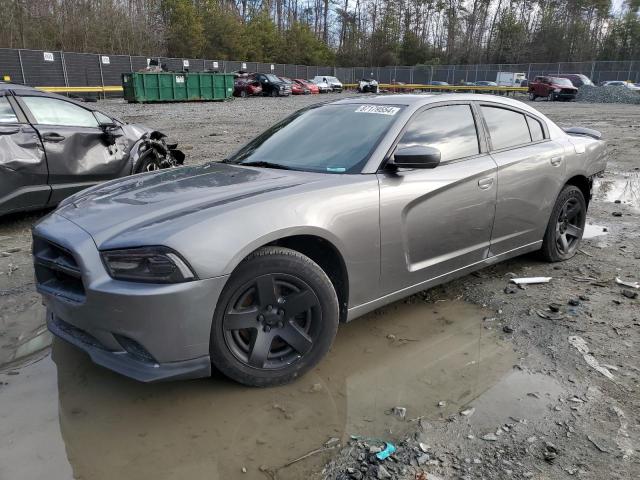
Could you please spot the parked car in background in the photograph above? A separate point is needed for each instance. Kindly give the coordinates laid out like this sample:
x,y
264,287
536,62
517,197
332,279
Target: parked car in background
x,y
323,86
272,85
368,85
246,87
577,79
510,79
621,83
484,83
552,88
296,88
436,82
138,274
312,87
52,146
333,82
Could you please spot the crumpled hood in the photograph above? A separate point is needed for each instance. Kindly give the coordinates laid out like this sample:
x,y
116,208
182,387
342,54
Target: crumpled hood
x,y
137,204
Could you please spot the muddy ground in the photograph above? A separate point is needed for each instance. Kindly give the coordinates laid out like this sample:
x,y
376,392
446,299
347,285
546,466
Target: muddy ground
x,y
487,380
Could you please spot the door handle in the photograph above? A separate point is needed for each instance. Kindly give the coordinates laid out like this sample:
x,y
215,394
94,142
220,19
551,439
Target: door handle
x,y
52,137
485,183
9,130
555,161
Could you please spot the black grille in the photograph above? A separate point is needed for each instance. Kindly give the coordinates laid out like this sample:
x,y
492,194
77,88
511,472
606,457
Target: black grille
x,y
134,349
78,333
57,271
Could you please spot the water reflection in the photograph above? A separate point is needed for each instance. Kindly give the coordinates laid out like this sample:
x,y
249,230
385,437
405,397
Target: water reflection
x,y
412,355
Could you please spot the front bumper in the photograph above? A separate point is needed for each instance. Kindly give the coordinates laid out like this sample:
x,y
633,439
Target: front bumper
x,y
149,332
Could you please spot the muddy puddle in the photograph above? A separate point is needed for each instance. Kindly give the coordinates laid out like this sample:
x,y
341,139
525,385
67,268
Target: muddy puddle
x,y
621,187
62,417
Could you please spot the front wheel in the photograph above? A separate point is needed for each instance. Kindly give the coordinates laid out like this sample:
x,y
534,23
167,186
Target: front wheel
x,y
149,162
275,319
532,96
566,225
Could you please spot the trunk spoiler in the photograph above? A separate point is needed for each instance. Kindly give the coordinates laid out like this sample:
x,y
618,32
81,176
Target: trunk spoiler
x,y
588,132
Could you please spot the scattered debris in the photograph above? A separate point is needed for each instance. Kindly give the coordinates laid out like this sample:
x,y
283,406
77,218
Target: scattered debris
x,y
399,412
530,280
581,345
628,284
388,450
507,329
617,214
629,294
602,449
490,437
468,412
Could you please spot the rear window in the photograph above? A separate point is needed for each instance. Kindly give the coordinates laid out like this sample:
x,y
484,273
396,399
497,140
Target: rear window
x,y
506,127
7,114
536,130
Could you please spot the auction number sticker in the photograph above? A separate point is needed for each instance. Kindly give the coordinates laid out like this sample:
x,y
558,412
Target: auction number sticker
x,y
379,109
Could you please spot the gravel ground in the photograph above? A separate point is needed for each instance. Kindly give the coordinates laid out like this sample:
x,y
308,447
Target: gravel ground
x,y
554,415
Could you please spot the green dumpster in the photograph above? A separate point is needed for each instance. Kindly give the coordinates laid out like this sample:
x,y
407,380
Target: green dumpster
x,y
176,86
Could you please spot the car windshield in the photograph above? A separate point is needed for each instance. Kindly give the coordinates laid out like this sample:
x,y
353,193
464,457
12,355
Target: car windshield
x,y
272,78
562,81
329,138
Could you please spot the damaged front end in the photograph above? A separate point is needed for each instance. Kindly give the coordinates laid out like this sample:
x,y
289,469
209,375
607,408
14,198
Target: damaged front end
x,y
154,151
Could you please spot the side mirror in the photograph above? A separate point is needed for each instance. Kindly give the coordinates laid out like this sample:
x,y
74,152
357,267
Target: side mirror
x,y
416,157
108,126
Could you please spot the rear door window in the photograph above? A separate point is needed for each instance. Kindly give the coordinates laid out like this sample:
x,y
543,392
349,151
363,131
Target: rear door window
x,y
451,129
507,128
7,115
51,111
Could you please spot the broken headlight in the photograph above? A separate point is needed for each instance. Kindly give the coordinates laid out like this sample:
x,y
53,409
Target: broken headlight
x,y
147,264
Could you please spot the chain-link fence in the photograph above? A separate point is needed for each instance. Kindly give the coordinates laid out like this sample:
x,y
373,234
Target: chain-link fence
x,y
66,69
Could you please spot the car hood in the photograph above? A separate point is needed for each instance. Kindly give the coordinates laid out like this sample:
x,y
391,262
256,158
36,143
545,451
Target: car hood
x,y
136,204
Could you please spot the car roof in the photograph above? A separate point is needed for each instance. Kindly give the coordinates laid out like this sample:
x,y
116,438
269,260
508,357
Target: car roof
x,y
14,86
426,98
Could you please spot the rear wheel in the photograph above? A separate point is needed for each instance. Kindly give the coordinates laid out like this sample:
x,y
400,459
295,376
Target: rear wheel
x,y
566,225
243,93
532,96
276,318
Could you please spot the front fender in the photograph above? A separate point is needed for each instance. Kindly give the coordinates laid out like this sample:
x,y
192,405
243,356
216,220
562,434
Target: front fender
x,y
270,237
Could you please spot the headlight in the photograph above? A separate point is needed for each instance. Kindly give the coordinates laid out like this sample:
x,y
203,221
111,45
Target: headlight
x,y
147,264
557,90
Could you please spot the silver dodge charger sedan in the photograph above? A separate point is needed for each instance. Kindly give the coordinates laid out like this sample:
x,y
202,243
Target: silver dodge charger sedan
x,y
248,265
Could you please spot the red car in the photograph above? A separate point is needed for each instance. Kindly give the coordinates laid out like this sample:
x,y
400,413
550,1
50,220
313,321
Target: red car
x,y
245,87
552,88
296,88
312,87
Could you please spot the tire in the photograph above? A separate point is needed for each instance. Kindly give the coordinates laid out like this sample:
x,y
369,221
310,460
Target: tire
x,y
567,221
273,93
255,354
243,93
148,162
532,96
551,97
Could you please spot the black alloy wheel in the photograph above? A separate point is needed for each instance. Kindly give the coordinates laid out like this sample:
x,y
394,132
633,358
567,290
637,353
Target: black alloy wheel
x,y
569,226
271,321
566,225
276,318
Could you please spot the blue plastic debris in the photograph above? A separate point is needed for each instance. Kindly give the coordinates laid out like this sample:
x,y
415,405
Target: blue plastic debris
x,y
388,450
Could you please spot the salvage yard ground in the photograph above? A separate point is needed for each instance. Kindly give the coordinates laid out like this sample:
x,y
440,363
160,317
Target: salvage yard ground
x,y
521,372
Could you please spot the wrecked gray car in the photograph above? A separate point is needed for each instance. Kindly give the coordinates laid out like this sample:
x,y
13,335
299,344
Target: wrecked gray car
x,y
52,147
248,265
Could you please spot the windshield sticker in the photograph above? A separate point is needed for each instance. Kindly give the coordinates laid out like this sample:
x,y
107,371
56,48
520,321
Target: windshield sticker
x,y
379,109
336,169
